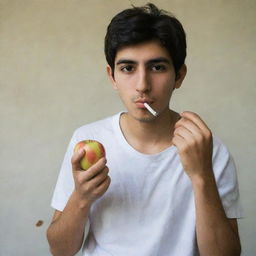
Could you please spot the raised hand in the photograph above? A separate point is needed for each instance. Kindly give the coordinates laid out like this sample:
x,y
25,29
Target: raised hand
x,y
193,140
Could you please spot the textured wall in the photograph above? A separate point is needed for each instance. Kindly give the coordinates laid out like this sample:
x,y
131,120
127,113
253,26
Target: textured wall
x,y
52,80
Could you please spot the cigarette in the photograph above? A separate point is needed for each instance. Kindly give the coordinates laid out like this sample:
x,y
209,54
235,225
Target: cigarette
x,y
151,110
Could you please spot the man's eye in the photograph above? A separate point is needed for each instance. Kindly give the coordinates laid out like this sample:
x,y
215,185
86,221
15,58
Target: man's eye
x,y
127,69
158,68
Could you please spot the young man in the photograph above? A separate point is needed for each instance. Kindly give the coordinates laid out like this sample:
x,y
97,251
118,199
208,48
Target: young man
x,y
173,188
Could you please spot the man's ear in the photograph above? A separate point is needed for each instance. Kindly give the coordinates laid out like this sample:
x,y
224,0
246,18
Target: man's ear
x,y
111,77
180,76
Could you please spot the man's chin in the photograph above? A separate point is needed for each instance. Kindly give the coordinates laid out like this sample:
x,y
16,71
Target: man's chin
x,y
145,119
142,116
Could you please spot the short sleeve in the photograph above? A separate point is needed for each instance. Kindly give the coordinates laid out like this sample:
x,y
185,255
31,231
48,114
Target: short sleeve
x,y
226,178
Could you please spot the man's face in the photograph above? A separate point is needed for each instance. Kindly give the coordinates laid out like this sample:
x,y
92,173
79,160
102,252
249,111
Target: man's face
x,y
144,73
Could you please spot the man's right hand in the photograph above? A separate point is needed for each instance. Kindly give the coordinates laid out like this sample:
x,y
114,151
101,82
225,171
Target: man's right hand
x,y
65,233
92,183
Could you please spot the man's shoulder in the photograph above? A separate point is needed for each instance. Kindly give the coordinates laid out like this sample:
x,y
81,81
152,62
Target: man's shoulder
x,y
217,142
98,126
220,150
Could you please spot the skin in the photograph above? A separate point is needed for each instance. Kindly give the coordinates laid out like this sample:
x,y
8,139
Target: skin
x,y
146,71
216,234
66,231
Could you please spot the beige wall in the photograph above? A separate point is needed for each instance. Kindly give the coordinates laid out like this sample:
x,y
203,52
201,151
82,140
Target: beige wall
x,y
52,80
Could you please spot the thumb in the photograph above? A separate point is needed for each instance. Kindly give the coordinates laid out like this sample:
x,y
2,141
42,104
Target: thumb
x,y
76,158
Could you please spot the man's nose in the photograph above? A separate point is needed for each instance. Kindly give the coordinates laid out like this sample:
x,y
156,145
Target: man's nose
x,y
143,83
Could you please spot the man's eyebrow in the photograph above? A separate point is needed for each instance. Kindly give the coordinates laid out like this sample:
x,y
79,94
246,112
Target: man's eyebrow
x,y
126,61
151,61
160,59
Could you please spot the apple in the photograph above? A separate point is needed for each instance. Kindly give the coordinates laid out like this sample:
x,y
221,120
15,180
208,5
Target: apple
x,y
94,150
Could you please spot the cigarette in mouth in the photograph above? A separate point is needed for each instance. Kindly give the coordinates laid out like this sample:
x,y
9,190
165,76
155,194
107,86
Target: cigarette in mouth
x,y
151,110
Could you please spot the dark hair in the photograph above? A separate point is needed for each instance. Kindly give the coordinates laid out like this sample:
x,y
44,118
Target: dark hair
x,y
140,24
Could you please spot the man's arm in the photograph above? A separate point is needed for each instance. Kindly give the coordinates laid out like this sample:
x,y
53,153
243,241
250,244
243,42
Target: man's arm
x,y
216,234
65,233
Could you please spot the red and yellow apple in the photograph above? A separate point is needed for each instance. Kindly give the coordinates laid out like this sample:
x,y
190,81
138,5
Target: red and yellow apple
x,y
94,150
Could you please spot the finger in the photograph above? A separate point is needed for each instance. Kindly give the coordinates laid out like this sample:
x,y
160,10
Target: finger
x,y
100,177
184,133
102,188
76,158
189,125
96,168
195,118
179,142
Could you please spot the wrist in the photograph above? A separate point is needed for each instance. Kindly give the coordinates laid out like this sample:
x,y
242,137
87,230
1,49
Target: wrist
x,y
81,203
206,178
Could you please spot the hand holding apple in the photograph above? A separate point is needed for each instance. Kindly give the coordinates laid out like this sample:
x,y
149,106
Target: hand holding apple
x,y
94,150
93,183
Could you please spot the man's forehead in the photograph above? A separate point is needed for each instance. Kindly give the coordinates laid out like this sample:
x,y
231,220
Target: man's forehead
x,y
144,52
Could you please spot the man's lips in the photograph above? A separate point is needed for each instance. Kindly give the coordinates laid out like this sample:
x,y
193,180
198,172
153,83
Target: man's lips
x,y
144,101
140,103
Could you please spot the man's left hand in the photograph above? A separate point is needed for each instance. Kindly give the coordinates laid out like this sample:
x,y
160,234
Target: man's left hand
x,y
193,140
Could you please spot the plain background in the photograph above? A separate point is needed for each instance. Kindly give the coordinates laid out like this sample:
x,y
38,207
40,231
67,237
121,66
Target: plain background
x,y
53,80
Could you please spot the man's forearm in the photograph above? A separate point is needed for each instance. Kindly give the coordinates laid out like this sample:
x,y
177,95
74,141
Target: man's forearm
x,y
215,235
65,234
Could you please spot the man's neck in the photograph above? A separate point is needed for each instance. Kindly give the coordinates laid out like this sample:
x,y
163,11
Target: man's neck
x,y
149,137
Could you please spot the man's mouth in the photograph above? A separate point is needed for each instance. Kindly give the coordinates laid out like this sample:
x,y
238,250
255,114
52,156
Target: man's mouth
x,y
140,102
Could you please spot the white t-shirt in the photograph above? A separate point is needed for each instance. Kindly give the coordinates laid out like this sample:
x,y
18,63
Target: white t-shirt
x,y
149,208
